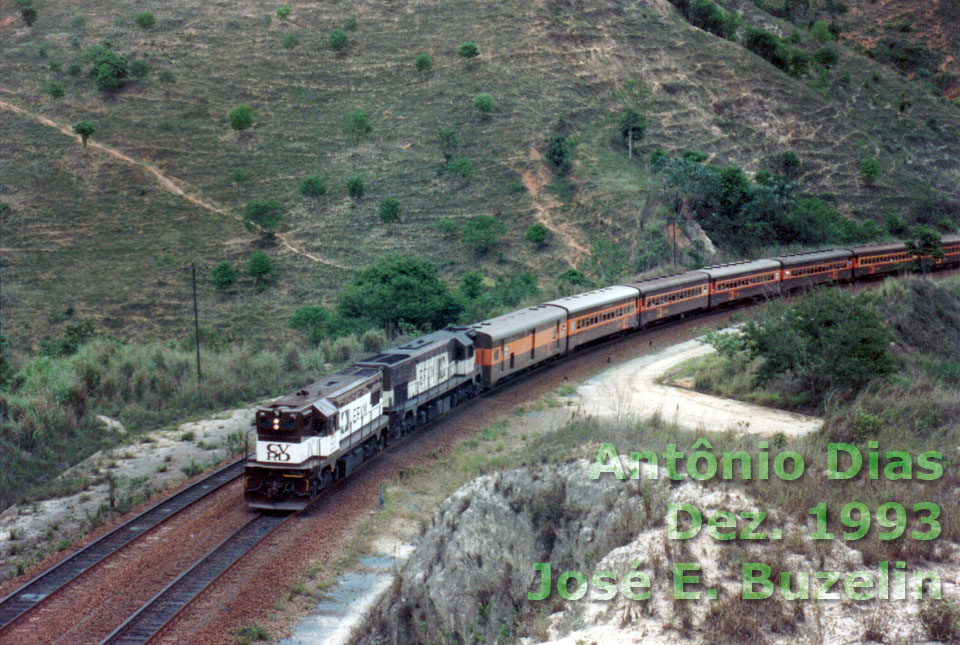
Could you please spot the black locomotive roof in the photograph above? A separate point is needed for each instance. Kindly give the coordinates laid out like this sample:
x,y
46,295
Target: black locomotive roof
x,y
416,347
328,387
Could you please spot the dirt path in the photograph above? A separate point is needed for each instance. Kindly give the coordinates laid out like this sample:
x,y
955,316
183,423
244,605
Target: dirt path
x,y
631,390
168,184
534,181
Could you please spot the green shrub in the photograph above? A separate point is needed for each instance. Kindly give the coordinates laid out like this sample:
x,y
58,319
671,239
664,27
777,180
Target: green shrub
x,y
145,20
259,265
223,275
870,169
574,278
423,62
355,187
290,41
389,211
55,65
241,117
468,50
77,23
790,160
947,225
483,103
633,126
313,186
559,154
239,175
448,226
537,234
460,167
820,31
55,89
398,290
708,16
167,77
373,340
356,123
826,56
448,142
339,40
139,69
74,69
262,213
695,156
29,14
316,322
767,46
799,63
895,224
480,232
109,67
284,11
350,24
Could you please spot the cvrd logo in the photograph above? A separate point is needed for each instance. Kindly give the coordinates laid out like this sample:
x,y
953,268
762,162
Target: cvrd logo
x,y
277,452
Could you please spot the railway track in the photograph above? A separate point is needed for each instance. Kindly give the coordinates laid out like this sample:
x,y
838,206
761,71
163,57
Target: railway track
x,y
150,620
51,581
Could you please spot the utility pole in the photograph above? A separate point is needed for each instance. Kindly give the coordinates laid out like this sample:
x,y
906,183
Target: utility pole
x,y
196,320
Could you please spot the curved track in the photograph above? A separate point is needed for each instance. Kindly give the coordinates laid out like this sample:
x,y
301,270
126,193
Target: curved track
x,y
62,574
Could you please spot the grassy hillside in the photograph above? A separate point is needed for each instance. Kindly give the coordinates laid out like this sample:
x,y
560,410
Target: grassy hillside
x,y
96,235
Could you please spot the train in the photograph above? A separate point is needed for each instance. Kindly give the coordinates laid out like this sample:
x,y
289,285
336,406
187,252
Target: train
x,y
322,433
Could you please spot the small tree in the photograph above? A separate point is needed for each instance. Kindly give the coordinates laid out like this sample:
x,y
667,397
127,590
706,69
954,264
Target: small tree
x,y
55,89
350,24
313,186
262,213
139,69
167,77
290,41
259,266
870,169
84,129
423,63
284,11
339,40
924,245
820,31
633,126
790,162
468,50
480,232
241,117
109,68
145,20
537,234
460,167
223,275
558,152
356,123
389,211
355,187
27,12
483,102
448,142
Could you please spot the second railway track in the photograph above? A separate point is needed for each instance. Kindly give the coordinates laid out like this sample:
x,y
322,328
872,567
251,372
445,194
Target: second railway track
x,y
46,584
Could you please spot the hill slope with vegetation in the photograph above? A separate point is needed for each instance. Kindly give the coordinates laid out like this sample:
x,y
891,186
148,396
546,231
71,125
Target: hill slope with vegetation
x,y
403,142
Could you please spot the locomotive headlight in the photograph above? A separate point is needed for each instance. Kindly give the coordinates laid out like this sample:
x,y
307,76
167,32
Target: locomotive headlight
x,y
276,424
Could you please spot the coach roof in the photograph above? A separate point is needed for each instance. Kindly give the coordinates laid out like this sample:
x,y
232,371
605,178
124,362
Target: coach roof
x,y
593,299
517,322
740,268
814,257
677,280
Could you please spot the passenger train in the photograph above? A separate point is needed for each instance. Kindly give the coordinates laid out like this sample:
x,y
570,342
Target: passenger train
x,y
322,433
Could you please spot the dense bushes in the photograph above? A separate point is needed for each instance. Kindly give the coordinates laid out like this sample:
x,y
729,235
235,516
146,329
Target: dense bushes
x,y
801,340
709,17
47,412
398,291
744,215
